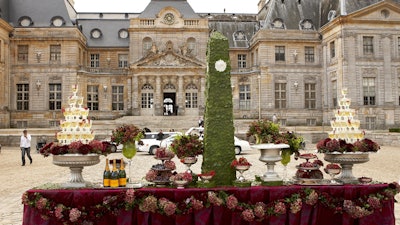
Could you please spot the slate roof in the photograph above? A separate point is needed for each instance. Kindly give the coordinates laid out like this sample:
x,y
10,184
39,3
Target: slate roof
x,y
155,6
318,11
109,29
40,11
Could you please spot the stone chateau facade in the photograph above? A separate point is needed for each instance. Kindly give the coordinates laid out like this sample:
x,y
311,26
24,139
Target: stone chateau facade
x,y
291,59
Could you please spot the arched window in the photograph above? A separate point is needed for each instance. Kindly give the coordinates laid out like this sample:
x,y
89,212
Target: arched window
x,y
147,96
278,24
169,86
147,44
191,96
191,45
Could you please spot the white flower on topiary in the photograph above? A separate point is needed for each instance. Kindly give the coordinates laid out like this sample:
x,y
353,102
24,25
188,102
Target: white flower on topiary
x,y
220,65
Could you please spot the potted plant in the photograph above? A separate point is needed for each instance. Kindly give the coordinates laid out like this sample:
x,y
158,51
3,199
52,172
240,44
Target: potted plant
x,y
187,147
273,145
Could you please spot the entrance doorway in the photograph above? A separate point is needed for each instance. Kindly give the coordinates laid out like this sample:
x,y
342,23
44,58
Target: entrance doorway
x,y
169,104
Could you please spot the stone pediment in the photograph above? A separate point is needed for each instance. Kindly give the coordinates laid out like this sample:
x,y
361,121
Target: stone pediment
x,y
382,11
168,59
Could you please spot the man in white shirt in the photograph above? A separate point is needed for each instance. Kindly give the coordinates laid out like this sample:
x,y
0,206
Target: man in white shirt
x,y
25,145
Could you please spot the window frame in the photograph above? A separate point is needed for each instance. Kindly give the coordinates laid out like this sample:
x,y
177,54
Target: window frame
x,y
309,54
94,60
244,96
280,95
22,97
242,61
117,103
280,53
55,53
369,91
310,95
55,96
92,97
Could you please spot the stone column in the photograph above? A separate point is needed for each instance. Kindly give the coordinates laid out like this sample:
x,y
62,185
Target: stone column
x,y
158,101
180,96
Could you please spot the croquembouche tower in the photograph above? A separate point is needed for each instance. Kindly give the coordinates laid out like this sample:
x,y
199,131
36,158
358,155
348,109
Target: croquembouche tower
x,y
345,126
76,126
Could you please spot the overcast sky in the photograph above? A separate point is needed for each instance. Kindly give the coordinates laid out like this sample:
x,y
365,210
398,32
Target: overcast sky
x,y
199,6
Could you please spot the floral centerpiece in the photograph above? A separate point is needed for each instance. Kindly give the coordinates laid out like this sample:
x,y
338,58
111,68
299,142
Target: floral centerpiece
x,y
329,145
125,134
265,131
164,153
187,146
76,147
240,162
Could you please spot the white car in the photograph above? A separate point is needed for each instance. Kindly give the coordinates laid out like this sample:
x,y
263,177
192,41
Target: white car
x,y
149,142
240,145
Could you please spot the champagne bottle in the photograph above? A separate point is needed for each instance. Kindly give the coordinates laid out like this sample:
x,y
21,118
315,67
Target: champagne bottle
x,y
106,175
122,174
114,175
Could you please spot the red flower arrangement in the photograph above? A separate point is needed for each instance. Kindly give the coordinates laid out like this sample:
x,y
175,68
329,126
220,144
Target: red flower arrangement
x,y
76,147
164,153
333,145
185,176
204,174
187,146
126,133
333,166
240,162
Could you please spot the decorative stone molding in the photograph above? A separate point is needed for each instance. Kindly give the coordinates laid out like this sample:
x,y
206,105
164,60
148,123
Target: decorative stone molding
x,y
369,72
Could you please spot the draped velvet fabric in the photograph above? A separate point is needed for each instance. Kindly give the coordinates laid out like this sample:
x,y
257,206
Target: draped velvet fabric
x,y
219,215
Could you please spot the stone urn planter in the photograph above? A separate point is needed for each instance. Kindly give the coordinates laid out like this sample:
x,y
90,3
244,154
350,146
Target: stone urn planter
x,y
76,163
346,161
270,154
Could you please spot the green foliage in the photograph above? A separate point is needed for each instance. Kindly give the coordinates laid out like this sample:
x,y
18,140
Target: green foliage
x,y
395,130
218,132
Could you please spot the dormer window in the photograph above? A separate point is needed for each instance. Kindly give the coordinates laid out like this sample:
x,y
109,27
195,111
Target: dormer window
x,y
306,25
278,24
57,21
240,36
123,33
95,33
25,21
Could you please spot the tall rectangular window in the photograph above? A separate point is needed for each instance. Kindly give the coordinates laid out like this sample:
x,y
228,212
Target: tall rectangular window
x,y
55,53
244,97
332,49
55,96
122,60
368,45
242,61
94,60
369,90
191,100
93,97
23,53
309,96
309,54
117,97
334,93
280,95
398,46
280,53
147,100
22,96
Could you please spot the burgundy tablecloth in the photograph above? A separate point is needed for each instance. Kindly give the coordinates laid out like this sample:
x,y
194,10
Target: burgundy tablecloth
x,y
310,215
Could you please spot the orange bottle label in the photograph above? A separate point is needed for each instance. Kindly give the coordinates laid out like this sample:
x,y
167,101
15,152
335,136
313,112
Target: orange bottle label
x,y
122,182
106,182
114,183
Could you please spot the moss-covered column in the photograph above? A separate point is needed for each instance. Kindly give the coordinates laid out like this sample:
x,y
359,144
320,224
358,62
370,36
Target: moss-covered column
x,y
218,119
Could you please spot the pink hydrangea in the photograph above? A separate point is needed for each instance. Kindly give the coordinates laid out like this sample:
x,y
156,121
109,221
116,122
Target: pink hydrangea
x,y
74,214
58,211
25,198
355,211
259,209
149,204
41,203
130,196
214,199
231,202
312,198
248,215
169,208
196,204
151,175
169,165
280,208
295,206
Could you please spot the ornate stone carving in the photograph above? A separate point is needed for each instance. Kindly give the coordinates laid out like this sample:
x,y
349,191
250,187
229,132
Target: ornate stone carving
x,y
369,71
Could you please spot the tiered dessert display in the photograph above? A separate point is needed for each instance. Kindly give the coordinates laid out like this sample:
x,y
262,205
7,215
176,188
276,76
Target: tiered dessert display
x,y
308,172
161,173
346,144
76,129
345,127
76,126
